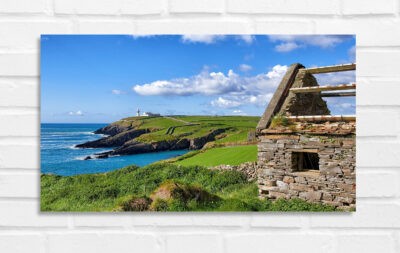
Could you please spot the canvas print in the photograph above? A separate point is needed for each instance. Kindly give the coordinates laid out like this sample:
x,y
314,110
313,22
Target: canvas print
x,y
174,123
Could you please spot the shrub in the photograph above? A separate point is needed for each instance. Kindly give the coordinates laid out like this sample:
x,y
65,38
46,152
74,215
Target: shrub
x,y
134,203
227,178
279,120
160,205
297,205
190,188
179,196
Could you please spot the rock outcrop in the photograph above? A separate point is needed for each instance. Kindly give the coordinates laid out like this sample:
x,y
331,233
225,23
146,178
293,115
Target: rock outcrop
x,y
114,140
124,140
112,129
136,147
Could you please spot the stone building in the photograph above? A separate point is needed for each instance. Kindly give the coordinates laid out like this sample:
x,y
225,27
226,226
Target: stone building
x,y
303,151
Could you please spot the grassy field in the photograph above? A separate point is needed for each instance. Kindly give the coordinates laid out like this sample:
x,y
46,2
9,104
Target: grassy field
x,y
148,122
179,184
236,127
232,155
191,188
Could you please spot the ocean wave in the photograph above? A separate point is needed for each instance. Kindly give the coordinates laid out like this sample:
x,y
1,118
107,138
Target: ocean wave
x,y
55,145
82,158
55,134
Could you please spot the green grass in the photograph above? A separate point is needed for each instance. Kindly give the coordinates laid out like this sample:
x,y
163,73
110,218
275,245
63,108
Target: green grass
x,y
234,136
158,122
279,121
236,127
221,191
226,155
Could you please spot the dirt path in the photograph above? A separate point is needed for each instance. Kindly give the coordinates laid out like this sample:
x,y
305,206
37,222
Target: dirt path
x,y
179,120
171,130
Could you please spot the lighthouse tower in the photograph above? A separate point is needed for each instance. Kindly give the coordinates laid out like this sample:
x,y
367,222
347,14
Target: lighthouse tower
x,y
138,112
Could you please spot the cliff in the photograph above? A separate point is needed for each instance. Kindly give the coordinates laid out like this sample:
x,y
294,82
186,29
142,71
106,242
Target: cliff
x,y
136,135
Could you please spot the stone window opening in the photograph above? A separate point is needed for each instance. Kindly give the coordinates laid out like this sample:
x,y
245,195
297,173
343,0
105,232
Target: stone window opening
x,y
305,161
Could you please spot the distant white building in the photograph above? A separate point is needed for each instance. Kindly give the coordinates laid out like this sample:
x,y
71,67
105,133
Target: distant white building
x,y
147,114
150,114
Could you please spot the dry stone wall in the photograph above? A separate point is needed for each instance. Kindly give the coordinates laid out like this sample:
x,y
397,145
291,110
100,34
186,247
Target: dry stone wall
x,y
334,182
249,169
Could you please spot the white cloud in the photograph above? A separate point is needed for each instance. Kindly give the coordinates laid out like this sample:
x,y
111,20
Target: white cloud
x,y
210,39
286,46
224,103
239,112
334,78
118,92
205,83
342,105
138,36
232,89
201,38
277,72
245,67
247,38
77,113
352,54
345,105
231,101
292,42
214,83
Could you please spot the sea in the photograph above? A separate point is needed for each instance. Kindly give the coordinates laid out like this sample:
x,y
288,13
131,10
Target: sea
x,y
60,156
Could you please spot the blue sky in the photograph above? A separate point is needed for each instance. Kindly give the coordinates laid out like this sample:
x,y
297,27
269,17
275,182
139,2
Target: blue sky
x,y
102,78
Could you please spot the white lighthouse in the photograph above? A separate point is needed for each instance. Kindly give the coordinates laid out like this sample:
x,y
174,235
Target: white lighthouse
x,y
138,113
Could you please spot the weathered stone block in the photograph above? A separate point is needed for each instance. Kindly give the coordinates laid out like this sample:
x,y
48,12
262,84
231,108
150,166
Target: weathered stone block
x,y
347,187
348,143
327,196
276,195
288,179
346,200
293,193
317,186
299,187
268,172
331,170
282,185
311,195
270,182
300,180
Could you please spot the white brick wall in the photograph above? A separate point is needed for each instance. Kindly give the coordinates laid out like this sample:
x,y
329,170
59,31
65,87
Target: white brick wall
x,y
375,227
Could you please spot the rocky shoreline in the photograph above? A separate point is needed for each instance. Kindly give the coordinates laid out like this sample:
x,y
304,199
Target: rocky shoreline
x,y
123,140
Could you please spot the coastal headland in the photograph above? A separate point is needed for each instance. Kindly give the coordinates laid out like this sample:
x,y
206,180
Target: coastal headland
x,y
136,135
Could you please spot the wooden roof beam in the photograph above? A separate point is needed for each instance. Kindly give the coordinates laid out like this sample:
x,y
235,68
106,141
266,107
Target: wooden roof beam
x,y
334,68
338,94
351,86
